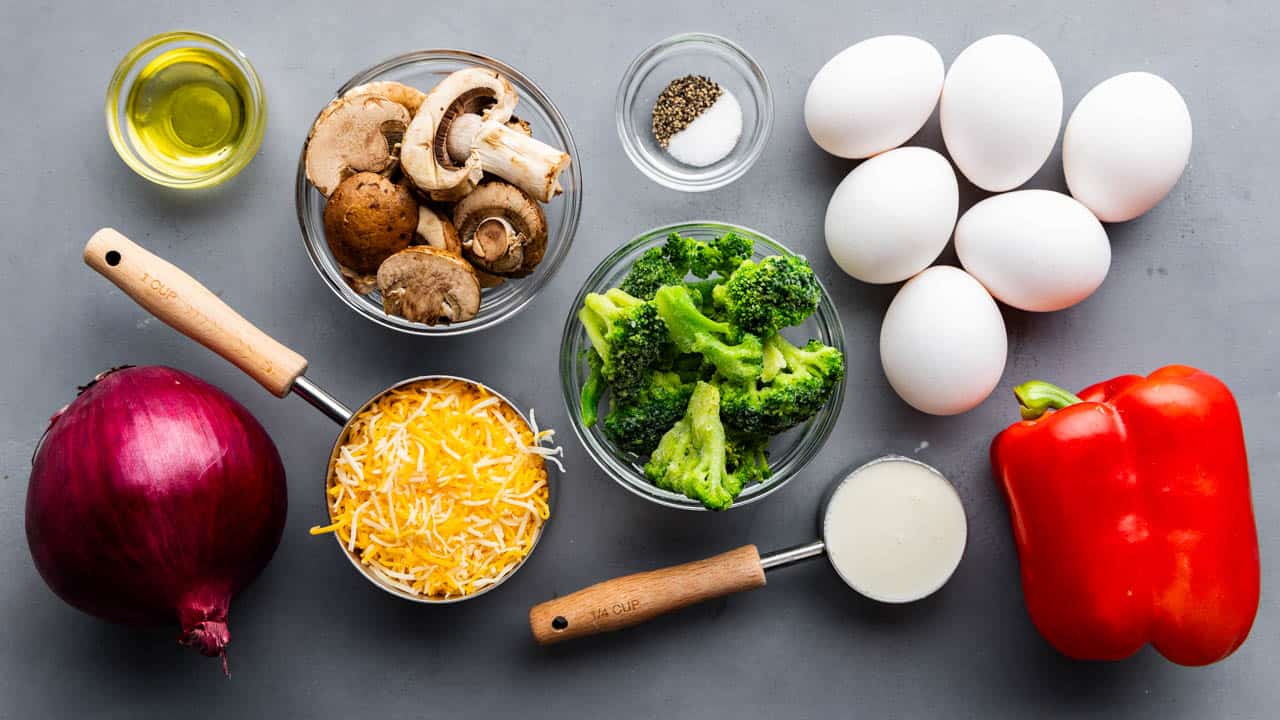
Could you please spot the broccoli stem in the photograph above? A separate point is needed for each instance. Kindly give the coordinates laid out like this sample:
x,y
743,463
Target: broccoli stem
x,y
592,389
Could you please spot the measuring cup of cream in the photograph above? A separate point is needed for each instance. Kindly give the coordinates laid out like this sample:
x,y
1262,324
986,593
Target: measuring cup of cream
x,y
893,529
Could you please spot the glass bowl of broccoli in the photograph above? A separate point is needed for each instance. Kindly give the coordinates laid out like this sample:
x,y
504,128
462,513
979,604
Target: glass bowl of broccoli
x,y
703,365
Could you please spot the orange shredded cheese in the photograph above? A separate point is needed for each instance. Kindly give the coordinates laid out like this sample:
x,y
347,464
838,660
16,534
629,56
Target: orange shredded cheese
x,y
440,488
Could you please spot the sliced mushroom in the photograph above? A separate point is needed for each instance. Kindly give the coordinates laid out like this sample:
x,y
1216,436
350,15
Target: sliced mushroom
x,y
437,231
503,230
428,285
368,218
354,134
424,156
508,150
410,97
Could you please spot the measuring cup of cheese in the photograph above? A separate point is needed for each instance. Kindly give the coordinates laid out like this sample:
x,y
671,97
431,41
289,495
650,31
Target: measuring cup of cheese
x,y
438,488
893,529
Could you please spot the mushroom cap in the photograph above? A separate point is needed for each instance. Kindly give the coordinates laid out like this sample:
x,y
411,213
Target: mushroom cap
x,y
428,285
410,97
354,134
437,231
503,230
367,219
424,156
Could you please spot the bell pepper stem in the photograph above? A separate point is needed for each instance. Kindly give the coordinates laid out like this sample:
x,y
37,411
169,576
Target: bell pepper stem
x,y
1036,397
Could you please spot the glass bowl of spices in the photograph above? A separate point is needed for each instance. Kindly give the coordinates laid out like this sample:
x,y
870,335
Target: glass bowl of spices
x,y
694,112
186,110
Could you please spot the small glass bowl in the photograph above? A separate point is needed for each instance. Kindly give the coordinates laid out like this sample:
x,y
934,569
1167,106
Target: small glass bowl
x,y
424,69
255,108
788,452
693,54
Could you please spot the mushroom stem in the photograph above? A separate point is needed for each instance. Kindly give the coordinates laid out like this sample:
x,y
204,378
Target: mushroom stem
x,y
494,238
527,163
461,134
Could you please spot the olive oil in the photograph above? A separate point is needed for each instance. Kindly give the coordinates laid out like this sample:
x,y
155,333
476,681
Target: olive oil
x,y
186,111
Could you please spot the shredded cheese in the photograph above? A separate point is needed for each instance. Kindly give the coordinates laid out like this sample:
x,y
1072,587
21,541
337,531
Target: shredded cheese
x,y
440,488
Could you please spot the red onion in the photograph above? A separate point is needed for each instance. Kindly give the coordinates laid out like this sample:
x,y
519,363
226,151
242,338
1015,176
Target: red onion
x,y
154,496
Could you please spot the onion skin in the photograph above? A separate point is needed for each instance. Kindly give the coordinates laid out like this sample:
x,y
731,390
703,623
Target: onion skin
x,y
155,497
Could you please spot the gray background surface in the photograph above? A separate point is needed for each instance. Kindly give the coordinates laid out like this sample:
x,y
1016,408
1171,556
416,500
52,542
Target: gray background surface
x,y
1192,282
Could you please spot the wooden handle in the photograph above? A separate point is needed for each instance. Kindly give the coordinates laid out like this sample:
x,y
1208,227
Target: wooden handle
x,y
633,599
190,308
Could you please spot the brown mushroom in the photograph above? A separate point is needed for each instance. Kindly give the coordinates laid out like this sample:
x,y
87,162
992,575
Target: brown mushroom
x,y
503,230
351,135
436,230
429,285
477,91
368,218
410,97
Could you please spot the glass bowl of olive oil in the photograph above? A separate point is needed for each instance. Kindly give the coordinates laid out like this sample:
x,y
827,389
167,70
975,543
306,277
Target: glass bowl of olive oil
x,y
186,110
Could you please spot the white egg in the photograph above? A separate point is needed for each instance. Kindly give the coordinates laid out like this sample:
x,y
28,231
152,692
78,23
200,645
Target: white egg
x,y
943,342
1036,250
1126,145
892,215
873,96
1001,110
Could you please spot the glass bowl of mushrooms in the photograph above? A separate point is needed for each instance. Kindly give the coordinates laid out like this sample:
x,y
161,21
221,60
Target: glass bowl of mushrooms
x,y
438,192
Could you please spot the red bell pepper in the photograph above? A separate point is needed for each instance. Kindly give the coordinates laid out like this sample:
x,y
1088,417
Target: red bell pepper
x,y
1132,515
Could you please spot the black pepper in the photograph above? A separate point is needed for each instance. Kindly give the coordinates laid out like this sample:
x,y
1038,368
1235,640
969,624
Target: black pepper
x,y
683,100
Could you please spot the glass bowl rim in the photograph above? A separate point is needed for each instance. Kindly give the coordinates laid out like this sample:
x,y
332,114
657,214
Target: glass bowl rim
x,y
257,107
612,464
762,91
553,260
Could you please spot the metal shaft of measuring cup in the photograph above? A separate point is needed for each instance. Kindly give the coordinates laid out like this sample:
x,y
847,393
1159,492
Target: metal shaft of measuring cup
x,y
793,555
321,400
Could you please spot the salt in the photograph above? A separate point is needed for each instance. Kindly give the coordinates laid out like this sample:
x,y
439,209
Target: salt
x,y
711,136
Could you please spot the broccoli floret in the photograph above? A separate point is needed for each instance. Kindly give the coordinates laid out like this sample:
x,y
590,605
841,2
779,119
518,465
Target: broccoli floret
x,y
705,292
681,251
722,255
691,367
774,361
764,297
592,389
659,266
690,458
670,263
738,357
747,456
628,335
794,394
638,422
651,271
